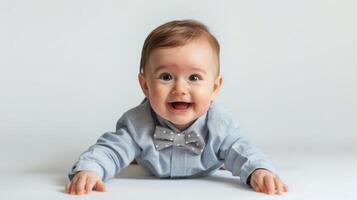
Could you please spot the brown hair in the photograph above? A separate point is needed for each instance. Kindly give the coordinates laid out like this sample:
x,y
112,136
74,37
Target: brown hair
x,y
174,34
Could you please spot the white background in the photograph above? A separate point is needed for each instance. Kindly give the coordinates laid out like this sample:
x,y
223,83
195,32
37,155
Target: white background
x,y
69,70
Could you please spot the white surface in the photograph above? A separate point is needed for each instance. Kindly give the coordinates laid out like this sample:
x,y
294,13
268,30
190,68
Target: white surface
x,y
321,176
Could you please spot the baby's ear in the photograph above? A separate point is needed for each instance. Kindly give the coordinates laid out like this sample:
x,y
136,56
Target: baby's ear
x,y
143,84
217,85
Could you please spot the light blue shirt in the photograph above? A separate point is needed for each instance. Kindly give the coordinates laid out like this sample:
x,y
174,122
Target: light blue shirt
x,y
133,139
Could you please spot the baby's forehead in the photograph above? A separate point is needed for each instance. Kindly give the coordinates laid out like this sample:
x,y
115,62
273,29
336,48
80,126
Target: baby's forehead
x,y
194,53
203,40
191,53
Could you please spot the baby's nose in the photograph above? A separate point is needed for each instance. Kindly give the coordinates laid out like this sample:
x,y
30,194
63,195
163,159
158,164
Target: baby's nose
x,y
179,88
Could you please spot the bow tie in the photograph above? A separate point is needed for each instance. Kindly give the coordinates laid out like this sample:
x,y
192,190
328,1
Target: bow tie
x,y
164,138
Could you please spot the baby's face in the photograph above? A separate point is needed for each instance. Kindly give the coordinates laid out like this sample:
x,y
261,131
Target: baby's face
x,y
180,82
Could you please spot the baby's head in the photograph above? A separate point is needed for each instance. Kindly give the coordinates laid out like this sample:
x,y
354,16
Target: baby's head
x,y
179,71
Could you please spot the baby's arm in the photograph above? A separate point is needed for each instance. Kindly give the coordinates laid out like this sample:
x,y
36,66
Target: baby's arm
x,y
112,152
84,182
245,160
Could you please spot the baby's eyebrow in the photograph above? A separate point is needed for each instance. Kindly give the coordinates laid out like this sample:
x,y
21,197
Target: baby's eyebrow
x,y
199,69
193,69
159,68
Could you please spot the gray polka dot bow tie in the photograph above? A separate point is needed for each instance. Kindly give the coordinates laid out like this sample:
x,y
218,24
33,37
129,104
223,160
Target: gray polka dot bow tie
x,y
164,138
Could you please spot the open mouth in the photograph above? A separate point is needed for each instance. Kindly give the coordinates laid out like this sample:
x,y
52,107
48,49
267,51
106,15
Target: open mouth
x,y
180,105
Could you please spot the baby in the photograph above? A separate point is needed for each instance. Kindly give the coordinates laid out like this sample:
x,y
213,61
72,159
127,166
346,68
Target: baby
x,y
178,130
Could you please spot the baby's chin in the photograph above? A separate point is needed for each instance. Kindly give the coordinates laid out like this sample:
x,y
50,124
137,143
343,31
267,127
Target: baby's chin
x,y
180,122
183,126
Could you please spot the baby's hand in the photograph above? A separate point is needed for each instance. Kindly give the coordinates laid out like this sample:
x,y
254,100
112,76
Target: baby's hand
x,y
263,180
83,183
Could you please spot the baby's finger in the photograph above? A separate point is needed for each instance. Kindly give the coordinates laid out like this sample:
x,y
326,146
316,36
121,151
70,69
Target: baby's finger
x,y
67,187
255,186
278,185
81,184
259,183
72,187
269,185
99,186
90,185
286,189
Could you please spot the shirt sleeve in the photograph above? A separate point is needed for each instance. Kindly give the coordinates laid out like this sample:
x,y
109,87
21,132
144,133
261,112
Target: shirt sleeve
x,y
240,157
112,152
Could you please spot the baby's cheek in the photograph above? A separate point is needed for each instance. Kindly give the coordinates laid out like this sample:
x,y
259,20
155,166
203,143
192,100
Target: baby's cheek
x,y
203,96
202,104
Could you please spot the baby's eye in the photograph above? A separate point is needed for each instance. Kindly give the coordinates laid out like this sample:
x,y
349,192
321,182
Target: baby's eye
x,y
195,77
165,76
